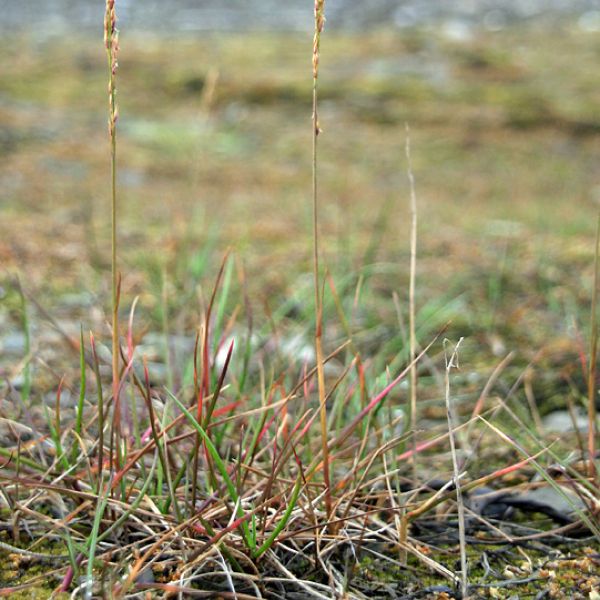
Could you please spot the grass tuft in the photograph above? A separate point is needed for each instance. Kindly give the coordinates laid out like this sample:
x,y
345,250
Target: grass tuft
x,y
279,458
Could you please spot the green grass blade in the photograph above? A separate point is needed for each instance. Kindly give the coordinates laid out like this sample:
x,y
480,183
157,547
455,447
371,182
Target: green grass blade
x,y
231,489
282,522
93,541
82,390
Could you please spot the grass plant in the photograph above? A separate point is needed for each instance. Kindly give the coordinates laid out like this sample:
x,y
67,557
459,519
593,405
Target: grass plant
x,y
111,41
319,24
272,460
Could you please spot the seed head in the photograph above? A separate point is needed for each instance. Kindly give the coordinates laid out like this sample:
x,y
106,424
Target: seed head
x,y
319,24
111,41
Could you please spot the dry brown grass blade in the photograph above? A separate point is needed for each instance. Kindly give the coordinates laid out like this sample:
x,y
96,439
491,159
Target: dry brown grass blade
x,y
452,363
487,388
411,302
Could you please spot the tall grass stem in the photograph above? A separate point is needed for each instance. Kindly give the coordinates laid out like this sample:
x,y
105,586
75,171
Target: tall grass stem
x,y
593,361
111,41
319,24
411,303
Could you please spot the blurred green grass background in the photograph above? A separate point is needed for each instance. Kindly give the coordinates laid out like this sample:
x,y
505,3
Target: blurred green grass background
x,y
215,149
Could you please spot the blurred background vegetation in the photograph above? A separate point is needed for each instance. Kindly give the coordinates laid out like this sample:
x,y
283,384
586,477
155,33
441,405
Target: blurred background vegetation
x,y
214,152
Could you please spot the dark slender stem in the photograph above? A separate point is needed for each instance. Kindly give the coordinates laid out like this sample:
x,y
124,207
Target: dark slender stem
x,y
593,361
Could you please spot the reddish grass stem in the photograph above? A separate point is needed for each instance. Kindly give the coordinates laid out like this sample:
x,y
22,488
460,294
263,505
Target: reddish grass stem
x,y
111,41
202,386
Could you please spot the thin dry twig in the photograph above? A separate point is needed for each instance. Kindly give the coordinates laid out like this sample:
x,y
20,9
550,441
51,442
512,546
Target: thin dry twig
x,y
452,363
411,302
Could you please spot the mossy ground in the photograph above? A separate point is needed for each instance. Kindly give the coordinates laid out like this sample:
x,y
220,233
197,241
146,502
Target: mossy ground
x,y
495,571
525,573
37,579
